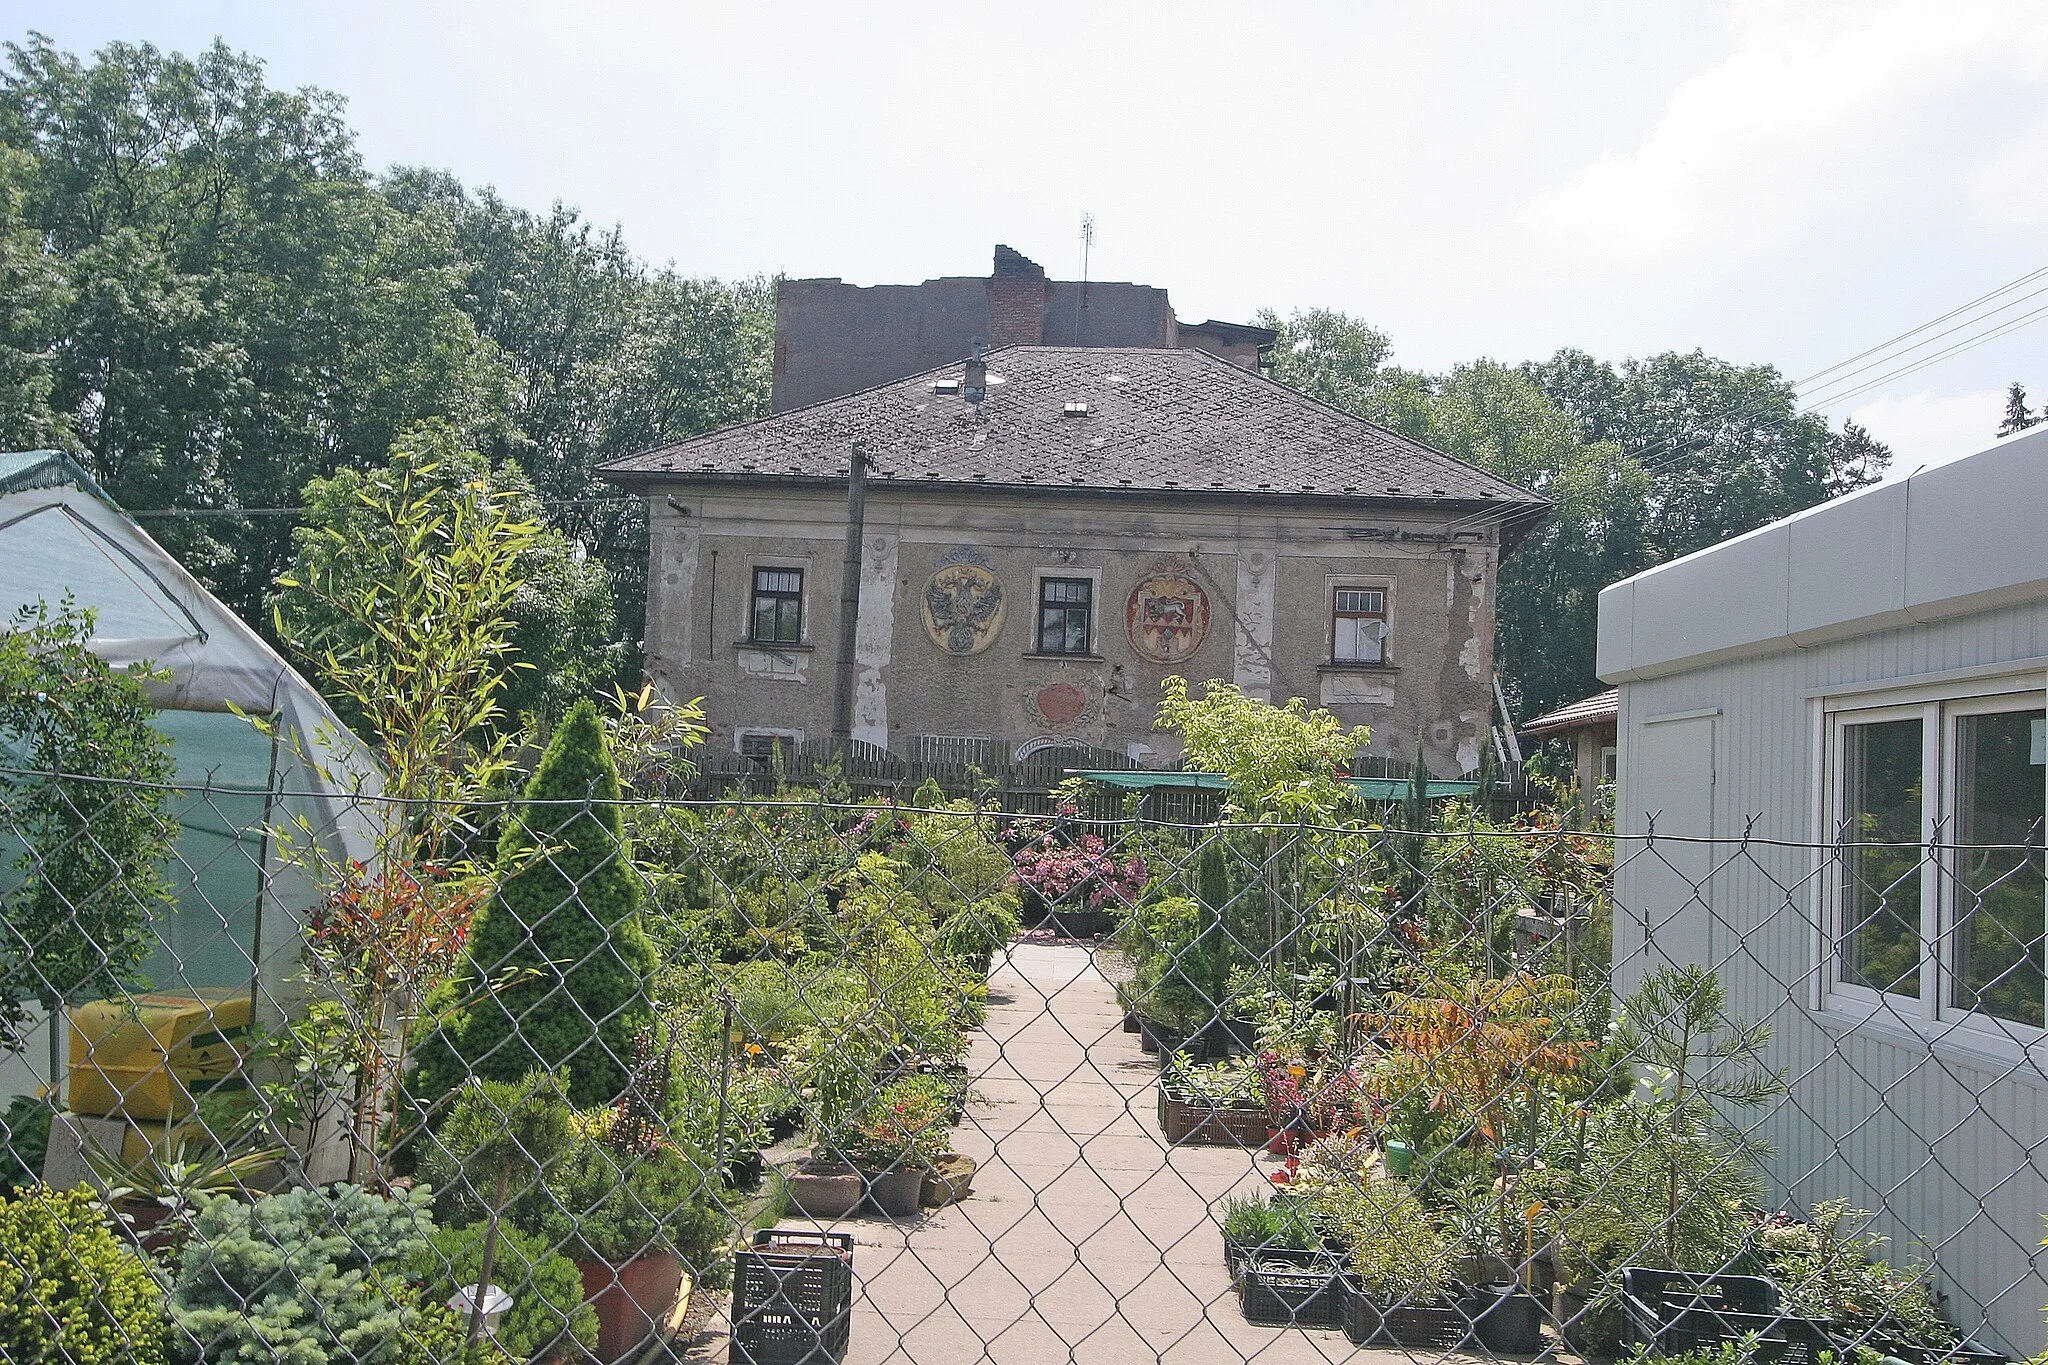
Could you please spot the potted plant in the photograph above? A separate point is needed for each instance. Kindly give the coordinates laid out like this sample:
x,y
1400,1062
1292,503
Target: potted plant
x,y
1829,1270
896,1140
308,1275
1253,1227
1403,1291
549,1321
636,1222
1223,1104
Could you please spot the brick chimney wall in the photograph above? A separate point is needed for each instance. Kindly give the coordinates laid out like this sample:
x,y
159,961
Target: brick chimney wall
x,y
1017,296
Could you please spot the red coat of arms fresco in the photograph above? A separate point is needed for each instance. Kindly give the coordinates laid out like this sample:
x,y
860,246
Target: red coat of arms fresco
x,y
1167,616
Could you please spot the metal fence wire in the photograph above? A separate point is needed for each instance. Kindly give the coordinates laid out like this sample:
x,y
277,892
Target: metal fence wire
x,y
794,1080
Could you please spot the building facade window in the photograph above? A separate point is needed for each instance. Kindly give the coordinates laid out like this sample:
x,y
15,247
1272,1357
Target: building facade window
x,y
778,617
1066,612
1940,876
759,747
1358,626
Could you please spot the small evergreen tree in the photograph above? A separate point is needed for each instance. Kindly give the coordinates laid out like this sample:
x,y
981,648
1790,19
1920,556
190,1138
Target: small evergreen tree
x,y
558,967
2017,418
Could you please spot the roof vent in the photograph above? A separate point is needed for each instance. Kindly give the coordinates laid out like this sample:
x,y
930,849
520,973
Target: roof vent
x,y
945,386
1076,409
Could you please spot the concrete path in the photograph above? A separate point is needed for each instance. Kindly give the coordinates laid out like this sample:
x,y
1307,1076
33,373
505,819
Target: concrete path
x,y
1086,1239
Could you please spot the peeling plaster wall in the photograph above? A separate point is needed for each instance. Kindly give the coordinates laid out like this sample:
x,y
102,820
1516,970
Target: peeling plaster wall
x,y
1266,578
873,640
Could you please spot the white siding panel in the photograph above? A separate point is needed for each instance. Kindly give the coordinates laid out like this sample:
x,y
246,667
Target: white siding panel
x,y
1951,1152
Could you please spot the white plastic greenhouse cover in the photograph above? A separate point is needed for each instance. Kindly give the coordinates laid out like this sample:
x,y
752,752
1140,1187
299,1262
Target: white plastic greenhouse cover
x,y
240,905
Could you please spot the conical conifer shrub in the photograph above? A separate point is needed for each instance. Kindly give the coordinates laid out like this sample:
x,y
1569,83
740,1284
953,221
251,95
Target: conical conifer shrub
x,y
558,966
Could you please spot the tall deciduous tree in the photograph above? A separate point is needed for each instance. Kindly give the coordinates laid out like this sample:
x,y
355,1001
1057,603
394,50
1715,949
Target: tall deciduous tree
x,y
241,311
608,356
1644,462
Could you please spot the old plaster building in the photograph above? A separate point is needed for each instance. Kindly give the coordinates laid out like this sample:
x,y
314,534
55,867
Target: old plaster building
x,y
1037,542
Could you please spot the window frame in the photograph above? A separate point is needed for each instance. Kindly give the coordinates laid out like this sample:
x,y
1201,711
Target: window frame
x,y
1385,616
1940,711
1093,583
789,739
756,593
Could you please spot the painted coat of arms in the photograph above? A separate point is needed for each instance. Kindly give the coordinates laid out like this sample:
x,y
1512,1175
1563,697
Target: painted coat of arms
x,y
1167,616
963,602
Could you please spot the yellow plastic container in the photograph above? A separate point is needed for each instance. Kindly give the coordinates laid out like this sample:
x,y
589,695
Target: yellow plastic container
x,y
144,1059
141,1141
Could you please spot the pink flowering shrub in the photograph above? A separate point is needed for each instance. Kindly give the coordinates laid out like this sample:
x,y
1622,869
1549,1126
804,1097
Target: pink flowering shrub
x,y
1079,871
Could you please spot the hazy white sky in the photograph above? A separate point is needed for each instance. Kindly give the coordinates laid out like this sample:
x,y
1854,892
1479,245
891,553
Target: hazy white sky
x,y
1792,183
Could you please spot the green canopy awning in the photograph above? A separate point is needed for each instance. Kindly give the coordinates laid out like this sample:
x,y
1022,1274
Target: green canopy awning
x,y
1396,788
1371,788
1138,779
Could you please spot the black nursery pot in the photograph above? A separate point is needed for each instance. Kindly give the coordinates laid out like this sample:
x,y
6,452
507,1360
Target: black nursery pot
x,y
1155,1037
1509,1321
744,1172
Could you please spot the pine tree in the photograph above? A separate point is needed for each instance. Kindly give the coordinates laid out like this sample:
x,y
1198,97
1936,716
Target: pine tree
x,y
2017,418
558,966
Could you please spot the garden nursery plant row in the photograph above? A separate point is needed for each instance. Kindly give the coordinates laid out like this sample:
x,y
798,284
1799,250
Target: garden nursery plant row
x,y
543,1066
1473,1142
545,1055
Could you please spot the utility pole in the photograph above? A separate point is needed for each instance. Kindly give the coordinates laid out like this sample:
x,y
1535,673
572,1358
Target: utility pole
x,y
849,596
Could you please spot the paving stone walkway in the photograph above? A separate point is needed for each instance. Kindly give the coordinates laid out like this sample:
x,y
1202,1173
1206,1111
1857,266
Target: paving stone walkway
x,y
1086,1239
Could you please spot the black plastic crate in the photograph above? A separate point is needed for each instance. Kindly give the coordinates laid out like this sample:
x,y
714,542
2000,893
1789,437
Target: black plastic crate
x,y
1672,1311
792,1298
1443,1326
1294,1289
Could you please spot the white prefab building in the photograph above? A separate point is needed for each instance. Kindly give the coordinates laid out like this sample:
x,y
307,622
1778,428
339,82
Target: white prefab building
x,y
1832,789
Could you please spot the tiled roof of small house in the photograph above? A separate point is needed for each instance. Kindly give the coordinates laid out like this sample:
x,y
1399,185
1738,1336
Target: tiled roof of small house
x,y
1602,709
1093,418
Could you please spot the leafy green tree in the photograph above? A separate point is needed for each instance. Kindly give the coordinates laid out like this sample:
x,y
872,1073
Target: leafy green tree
x,y
404,608
607,356
91,814
35,296
1283,762
1726,446
1644,462
1670,1176
1548,611
558,964
239,310
500,1132
1342,360
363,538
548,1308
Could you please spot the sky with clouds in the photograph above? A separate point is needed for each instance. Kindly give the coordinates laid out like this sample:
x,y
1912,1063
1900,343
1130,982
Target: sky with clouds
x,y
1796,183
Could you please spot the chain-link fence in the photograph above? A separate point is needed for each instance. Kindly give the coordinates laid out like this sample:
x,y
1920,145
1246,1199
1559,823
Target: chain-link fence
x,y
795,1080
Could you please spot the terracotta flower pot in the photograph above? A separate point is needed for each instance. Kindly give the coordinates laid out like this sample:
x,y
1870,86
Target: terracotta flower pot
x,y
824,1190
633,1300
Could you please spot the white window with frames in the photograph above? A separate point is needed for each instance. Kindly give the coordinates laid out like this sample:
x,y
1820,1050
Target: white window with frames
x,y
1358,625
1938,898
